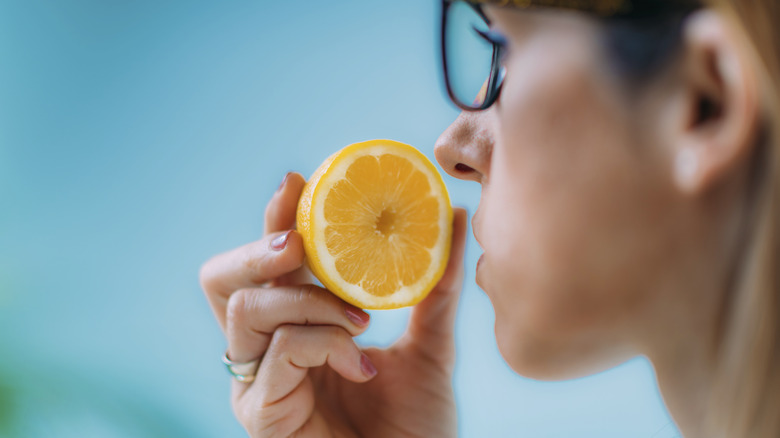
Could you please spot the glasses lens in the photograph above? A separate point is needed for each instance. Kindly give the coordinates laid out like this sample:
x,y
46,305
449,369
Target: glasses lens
x,y
469,56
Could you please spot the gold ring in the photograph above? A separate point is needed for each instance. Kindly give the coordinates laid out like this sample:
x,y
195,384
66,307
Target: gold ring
x,y
244,372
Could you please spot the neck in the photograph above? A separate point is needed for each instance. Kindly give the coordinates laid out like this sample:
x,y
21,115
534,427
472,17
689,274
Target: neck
x,y
685,349
685,378
684,353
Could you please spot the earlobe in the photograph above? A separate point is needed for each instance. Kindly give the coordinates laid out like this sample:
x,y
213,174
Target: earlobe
x,y
686,167
722,104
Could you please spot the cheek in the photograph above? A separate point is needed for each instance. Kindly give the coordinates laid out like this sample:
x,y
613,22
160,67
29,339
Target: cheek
x,y
555,287
547,176
555,231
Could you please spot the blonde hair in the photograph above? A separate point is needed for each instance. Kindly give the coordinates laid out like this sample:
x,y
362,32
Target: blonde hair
x,y
746,401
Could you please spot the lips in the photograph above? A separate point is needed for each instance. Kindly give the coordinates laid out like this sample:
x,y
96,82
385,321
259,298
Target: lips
x,y
476,227
478,277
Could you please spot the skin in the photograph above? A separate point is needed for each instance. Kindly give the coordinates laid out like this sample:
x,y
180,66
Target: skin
x,y
601,243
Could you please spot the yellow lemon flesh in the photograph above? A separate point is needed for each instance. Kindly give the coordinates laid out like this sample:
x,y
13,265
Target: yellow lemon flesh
x,y
376,223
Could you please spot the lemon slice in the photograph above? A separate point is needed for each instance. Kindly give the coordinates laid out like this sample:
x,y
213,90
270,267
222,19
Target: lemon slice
x,y
376,223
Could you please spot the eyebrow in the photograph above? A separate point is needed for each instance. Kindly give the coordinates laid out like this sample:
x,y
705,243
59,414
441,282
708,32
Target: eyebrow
x,y
605,8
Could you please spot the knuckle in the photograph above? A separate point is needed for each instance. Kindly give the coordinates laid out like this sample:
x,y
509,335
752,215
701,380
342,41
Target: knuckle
x,y
258,422
206,276
268,422
253,264
266,301
284,337
237,307
309,294
257,263
339,335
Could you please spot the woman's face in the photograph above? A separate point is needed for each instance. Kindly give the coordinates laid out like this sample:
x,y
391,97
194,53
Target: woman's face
x,y
574,217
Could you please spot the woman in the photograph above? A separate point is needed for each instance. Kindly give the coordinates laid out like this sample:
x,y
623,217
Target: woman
x,y
627,153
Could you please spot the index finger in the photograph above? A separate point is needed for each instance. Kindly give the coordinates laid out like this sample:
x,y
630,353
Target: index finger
x,y
250,265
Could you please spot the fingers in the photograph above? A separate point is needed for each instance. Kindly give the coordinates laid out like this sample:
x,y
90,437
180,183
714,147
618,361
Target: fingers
x,y
254,314
286,419
280,211
432,321
251,265
277,256
281,401
294,349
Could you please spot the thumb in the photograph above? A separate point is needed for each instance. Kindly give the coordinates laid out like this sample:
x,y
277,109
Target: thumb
x,y
432,322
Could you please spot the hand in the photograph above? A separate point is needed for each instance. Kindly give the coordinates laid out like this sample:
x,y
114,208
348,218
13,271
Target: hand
x,y
313,380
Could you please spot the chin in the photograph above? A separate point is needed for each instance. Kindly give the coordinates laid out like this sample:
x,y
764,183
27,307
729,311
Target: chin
x,y
532,362
547,358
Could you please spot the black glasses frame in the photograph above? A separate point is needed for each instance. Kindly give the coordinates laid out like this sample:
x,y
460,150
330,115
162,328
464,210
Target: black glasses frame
x,y
493,86
601,8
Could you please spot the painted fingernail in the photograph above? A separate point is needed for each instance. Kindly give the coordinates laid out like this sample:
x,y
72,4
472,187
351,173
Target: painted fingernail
x,y
357,316
284,181
280,242
366,366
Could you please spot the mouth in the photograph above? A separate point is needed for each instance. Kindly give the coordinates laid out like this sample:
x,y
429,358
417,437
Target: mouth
x,y
478,273
475,228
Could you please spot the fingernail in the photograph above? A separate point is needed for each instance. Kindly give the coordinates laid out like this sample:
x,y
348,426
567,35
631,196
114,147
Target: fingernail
x,y
366,366
284,181
280,242
357,316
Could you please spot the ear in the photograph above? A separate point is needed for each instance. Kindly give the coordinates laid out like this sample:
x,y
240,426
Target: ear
x,y
720,104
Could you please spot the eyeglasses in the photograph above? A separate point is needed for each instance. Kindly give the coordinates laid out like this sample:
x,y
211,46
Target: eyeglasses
x,y
471,56
471,52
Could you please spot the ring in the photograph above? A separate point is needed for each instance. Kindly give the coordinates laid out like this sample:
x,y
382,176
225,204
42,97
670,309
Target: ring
x,y
244,372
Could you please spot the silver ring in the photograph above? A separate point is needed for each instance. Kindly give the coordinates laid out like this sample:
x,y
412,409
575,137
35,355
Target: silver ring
x,y
244,372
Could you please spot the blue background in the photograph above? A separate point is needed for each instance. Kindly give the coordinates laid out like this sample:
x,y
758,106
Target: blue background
x,y
139,138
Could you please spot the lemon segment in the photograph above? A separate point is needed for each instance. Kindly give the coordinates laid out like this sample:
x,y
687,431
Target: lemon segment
x,y
376,223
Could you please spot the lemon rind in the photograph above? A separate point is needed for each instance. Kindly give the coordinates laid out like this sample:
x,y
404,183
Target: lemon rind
x,y
323,264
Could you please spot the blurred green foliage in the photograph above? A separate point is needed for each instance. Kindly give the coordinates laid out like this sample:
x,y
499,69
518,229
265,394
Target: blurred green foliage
x,y
64,404
7,406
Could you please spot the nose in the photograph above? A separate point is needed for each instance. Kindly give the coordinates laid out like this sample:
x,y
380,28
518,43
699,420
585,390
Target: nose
x,y
463,150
